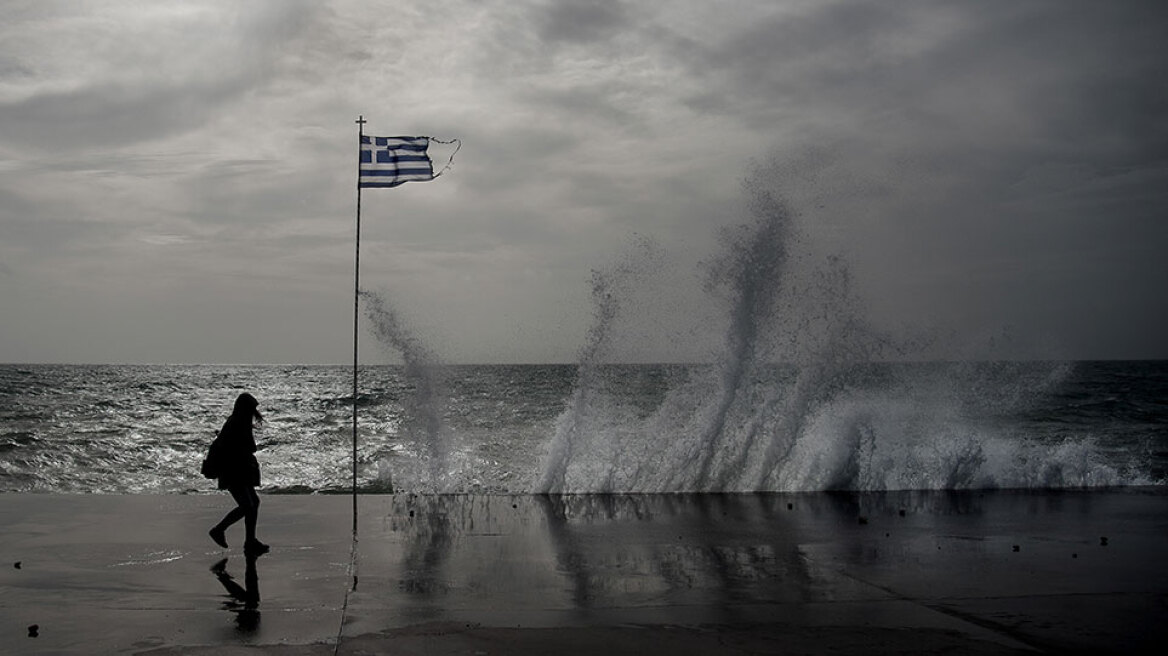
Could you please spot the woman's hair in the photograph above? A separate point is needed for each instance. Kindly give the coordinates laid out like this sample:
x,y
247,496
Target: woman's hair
x,y
246,407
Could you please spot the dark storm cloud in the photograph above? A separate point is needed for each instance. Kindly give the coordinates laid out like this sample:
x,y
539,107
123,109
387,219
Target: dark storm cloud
x,y
596,101
112,114
154,86
1070,75
1023,149
50,235
785,60
581,21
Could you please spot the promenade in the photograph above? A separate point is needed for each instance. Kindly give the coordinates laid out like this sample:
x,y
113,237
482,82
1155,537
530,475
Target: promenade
x,y
972,572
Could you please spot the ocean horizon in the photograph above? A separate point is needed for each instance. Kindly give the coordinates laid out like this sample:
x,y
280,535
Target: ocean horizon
x,y
593,428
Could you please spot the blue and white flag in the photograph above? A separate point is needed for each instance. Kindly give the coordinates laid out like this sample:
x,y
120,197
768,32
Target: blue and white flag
x,y
390,161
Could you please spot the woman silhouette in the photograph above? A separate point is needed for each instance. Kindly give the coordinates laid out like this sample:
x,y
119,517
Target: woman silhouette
x,y
239,472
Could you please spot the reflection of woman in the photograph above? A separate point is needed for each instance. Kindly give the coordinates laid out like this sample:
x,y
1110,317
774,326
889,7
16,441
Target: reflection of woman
x,y
239,472
245,602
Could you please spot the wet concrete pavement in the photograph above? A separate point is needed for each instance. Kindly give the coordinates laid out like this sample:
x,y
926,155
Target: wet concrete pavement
x,y
1055,571
119,574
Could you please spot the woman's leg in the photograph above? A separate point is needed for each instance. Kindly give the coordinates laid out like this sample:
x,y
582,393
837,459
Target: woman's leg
x,y
253,513
247,504
247,508
218,531
230,518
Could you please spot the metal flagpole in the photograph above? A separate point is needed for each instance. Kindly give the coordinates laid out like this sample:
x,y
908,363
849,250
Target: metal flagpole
x,y
356,311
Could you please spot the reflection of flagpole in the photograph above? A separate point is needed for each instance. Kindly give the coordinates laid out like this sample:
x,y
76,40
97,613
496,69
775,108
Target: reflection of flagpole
x,y
356,313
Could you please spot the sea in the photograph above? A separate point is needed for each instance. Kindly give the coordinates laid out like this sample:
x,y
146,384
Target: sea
x,y
593,428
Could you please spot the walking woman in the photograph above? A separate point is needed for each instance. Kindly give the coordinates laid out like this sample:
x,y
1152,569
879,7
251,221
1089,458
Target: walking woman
x,y
238,472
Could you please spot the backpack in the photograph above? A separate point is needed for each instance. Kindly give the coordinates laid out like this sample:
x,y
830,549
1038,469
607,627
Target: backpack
x,y
210,468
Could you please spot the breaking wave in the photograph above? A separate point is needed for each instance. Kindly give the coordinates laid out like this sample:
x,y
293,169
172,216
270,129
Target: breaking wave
x,y
793,401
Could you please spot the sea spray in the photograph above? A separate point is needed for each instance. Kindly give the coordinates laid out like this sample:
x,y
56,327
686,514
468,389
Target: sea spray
x,y
726,427
803,395
423,424
794,335
750,276
609,288
933,426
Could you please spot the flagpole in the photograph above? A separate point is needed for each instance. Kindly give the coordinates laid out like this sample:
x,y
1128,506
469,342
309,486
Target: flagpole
x,y
356,311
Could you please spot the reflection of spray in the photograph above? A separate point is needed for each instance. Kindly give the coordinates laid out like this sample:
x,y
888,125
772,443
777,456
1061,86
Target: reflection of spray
x,y
422,368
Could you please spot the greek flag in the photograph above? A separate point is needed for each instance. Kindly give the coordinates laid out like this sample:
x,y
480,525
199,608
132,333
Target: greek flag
x,y
390,161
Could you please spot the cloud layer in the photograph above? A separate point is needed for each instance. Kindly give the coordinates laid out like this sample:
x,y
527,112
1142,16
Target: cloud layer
x,y
178,180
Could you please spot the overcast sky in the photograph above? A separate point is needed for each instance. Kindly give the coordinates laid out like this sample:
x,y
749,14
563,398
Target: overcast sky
x,y
177,180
